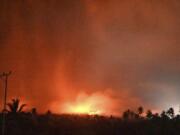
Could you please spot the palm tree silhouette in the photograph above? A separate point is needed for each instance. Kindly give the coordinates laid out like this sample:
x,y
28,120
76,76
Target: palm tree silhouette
x,y
14,107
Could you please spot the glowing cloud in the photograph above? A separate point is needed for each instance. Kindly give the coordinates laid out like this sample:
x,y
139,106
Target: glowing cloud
x,y
92,104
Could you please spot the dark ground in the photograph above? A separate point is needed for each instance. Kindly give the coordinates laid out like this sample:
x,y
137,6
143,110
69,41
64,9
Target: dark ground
x,y
51,124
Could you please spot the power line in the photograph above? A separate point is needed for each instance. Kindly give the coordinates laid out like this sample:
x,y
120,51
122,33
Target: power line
x,y
4,76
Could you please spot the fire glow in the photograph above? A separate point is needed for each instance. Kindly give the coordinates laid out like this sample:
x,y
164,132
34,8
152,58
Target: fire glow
x,y
83,109
95,104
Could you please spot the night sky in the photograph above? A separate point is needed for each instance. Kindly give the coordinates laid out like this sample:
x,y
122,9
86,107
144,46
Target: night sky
x,y
122,53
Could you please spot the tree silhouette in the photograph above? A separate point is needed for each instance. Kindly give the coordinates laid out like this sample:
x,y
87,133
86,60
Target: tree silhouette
x,y
140,110
34,111
32,123
164,116
14,107
149,114
126,114
130,115
170,112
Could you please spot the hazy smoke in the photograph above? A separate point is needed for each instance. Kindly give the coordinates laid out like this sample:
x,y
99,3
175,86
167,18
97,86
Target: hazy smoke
x,y
60,49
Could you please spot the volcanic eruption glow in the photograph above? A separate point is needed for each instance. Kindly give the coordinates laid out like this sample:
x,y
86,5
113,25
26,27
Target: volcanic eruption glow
x,y
89,104
59,49
83,109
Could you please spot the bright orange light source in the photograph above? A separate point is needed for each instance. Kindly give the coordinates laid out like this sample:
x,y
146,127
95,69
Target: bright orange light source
x,y
83,109
87,104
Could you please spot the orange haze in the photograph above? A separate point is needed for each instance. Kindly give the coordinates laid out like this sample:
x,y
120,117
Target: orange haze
x,y
91,56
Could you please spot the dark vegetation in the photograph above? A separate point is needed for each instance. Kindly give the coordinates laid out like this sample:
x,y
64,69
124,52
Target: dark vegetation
x,y
131,123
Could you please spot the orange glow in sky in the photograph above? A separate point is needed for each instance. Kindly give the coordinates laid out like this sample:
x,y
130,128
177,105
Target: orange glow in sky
x,y
89,104
83,109
91,56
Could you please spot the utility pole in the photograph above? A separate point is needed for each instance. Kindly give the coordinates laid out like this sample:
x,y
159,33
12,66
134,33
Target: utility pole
x,y
4,76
